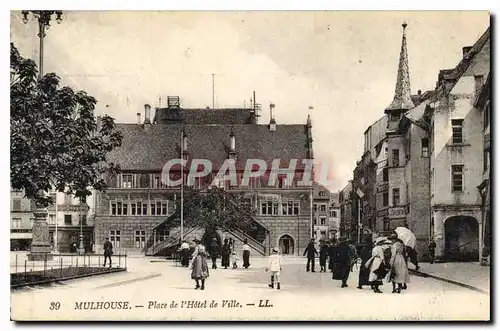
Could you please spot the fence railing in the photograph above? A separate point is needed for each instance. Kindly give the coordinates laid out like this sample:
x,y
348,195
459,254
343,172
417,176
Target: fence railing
x,y
20,264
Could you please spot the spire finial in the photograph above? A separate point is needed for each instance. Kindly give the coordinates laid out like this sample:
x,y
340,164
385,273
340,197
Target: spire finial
x,y
402,94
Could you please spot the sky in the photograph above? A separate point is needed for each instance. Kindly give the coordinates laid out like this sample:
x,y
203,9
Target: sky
x,y
343,64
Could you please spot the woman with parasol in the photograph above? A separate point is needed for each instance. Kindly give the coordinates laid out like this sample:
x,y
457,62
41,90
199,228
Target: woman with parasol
x,y
377,266
399,269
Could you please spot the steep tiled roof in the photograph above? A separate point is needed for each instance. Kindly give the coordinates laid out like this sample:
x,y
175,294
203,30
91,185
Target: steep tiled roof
x,y
451,76
205,116
320,188
150,149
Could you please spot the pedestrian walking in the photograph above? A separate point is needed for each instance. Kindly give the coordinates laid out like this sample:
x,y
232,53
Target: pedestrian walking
x,y
234,260
377,265
365,255
108,251
331,253
311,255
342,262
323,254
275,267
246,254
214,252
184,254
353,254
432,250
226,253
199,266
399,269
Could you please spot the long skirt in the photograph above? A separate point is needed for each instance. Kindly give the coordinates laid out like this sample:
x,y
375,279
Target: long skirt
x,y
364,274
246,259
377,270
185,257
399,273
200,268
225,259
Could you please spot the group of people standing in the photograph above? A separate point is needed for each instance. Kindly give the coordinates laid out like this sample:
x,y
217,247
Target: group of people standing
x,y
386,259
199,264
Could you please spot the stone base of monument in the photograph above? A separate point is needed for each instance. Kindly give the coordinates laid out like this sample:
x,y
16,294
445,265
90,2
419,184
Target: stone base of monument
x,y
40,253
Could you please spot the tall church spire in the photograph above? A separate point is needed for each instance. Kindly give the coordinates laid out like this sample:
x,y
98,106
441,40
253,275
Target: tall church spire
x,y
402,99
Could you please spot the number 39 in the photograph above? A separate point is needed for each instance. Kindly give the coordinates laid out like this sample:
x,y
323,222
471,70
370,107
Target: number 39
x,y
55,306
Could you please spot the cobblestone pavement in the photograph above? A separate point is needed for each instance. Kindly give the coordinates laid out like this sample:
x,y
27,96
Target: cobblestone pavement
x,y
304,296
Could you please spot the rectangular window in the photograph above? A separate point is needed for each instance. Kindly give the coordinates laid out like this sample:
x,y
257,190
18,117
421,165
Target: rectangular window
x,y
323,233
67,220
162,235
164,209
385,199
143,180
486,157
119,208
132,208
127,180
322,220
16,204
114,237
144,209
425,147
457,178
269,208
315,207
322,208
395,157
125,208
16,223
457,131
334,213
385,175
487,115
386,224
113,208
153,209
295,208
140,238
315,221
395,197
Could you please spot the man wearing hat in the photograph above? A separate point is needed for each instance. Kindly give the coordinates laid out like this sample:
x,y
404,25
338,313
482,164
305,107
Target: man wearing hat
x,y
342,261
275,266
311,255
108,251
214,252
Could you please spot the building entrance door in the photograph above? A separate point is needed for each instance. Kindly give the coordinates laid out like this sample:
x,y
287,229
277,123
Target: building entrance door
x,y
286,245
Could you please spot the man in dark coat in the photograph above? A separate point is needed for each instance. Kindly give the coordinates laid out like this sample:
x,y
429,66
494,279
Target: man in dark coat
x,y
311,254
432,250
342,260
214,252
226,252
323,254
108,251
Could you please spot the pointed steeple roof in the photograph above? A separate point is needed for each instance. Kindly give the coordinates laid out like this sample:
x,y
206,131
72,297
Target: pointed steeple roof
x,y
402,94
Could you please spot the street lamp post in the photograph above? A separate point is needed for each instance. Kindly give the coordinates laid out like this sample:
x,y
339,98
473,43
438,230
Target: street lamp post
x,y
44,17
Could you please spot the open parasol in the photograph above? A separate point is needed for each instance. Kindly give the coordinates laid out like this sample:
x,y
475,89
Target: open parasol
x,y
406,236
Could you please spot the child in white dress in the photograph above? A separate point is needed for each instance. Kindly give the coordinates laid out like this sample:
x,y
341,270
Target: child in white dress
x,y
275,267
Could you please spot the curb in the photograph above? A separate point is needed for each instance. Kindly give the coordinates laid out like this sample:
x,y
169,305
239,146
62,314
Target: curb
x,y
49,281
447,280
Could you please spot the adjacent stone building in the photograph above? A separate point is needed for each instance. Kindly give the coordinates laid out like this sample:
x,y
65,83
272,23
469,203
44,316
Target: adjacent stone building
x,y
430,159
134,212
321,204
21,221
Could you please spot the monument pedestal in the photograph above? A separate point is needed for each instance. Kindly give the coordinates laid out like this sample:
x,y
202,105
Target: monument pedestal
x,y
40,244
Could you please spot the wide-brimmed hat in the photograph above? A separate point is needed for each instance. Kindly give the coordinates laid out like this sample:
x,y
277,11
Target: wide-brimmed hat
x,y
196,240
380,240
393,236
106,238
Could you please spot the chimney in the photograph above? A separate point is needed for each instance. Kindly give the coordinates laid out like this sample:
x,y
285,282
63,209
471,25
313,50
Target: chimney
x,y
272,121
184,141
138,118
233,140
465,50
147,113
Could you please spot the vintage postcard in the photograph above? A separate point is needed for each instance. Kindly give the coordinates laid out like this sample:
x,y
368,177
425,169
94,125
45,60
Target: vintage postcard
x,y
250,165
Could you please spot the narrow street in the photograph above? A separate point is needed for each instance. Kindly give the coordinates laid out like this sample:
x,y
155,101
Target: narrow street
x,y
315,296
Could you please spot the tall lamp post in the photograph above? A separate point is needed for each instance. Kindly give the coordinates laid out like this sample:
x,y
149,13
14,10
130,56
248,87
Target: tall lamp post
x,y
44,17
